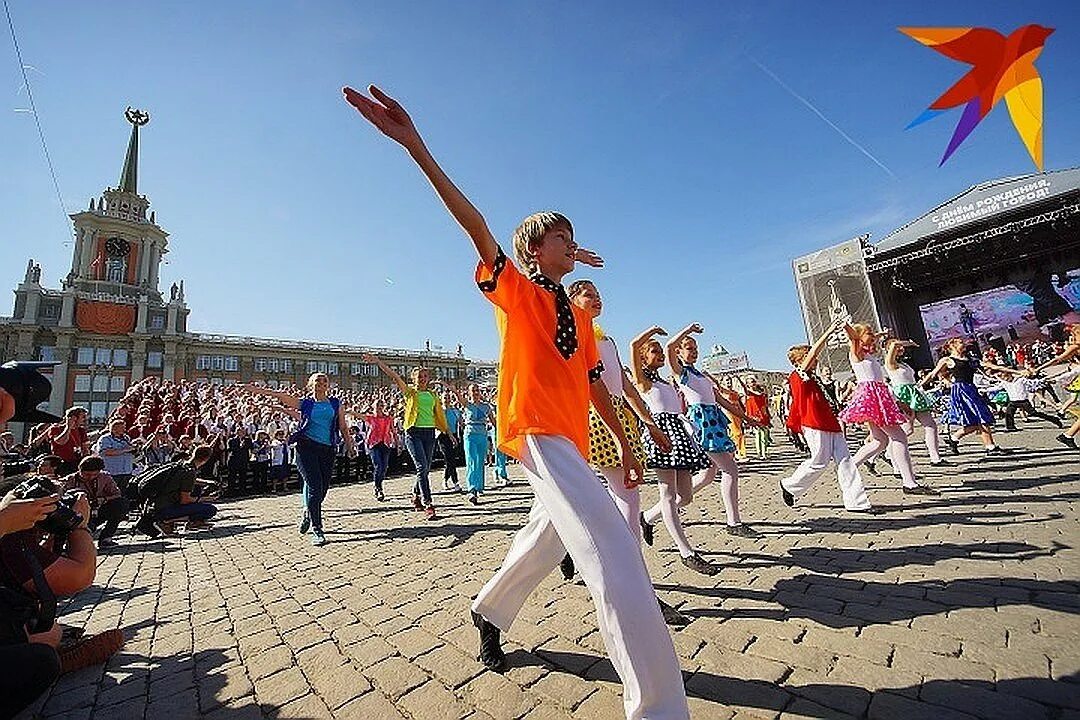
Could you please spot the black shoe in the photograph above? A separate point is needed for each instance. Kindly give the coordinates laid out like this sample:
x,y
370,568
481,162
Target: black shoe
x,y
566,566
743,530
998,450
305,523
379,496
699,564
953,445
871,468
921,490
647,529
940,463
474,498
491,654
672,617
1066,441
1057,423
788,498
866,511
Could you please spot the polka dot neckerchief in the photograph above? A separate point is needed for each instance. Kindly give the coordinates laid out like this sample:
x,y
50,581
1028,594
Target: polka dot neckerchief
x,y
652,376
565,330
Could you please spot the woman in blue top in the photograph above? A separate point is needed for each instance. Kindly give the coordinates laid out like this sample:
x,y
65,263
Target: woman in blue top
x,y
322,427
476,414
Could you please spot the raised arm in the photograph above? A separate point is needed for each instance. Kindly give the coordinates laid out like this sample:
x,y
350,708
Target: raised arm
x,y
1067,354
289,401
392,120
397,379
672,349
941,365
635,353
816,348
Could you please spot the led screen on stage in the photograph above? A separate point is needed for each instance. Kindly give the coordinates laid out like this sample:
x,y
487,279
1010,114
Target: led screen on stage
x,y
1036,307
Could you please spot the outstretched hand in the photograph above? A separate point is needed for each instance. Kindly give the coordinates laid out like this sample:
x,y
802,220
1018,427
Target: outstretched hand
x,y
385,113
588,257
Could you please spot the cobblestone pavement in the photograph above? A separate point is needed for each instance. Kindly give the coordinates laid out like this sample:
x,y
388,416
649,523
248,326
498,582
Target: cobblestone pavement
x,y
958,606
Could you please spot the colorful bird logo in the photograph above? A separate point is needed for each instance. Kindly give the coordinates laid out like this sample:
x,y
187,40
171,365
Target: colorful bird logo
x,y
1002,67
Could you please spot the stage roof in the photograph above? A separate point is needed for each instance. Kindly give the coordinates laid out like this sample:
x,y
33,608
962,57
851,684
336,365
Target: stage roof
x,y
981,202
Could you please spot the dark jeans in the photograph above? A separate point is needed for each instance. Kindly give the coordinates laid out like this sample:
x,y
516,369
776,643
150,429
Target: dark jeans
x,y
29,670
260,470
1026,406
380,457
191,511
342,471
315,462
110,513
126,488
421,445
237,478
449,451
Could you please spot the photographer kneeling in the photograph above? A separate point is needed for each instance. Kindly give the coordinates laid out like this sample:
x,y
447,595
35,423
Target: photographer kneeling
x,y
107,504
167,493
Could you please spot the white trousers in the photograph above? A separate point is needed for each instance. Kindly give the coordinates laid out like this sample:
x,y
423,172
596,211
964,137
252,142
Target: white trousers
x,y
825,447
572,510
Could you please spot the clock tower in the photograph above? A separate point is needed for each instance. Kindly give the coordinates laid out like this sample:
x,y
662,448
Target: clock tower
x,y
119,247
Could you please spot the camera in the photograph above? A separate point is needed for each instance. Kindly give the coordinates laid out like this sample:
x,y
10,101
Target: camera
x,y
60,521
11,468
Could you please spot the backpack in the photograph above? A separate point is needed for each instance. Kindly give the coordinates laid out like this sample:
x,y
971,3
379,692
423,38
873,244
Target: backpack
x,y
155,482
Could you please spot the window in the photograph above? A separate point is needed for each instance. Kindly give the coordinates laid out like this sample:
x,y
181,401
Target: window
x,y
356,369
119,357
117,384
217,362
332,368
157,322
102,356
312,366
82,383
286,366
262,364
50,310
232,363
155,359
115,269
47,353
101,383
202,362
97,410
85,356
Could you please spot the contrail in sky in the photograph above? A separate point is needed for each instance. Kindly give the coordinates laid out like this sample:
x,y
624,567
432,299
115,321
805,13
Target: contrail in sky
x,y
821,115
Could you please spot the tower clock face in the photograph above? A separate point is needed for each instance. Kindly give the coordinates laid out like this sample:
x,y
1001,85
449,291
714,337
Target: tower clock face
x,y
117,247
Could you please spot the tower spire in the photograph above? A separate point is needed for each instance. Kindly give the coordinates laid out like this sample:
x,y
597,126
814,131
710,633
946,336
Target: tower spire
x,y
129,176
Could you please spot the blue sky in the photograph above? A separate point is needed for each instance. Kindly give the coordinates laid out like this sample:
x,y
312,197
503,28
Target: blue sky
x,y
653,126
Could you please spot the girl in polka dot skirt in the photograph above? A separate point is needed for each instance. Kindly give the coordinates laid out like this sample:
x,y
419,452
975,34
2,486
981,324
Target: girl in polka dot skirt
x,y
710,426
673,467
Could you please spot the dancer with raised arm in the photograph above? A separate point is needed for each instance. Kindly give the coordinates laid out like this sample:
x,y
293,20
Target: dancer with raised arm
x,y
476,414
967,409
704,405
322,427
549,370
423,415
873,403
812,416
676,465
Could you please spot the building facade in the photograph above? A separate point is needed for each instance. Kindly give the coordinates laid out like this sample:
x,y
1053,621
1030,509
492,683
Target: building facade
x,y
109,324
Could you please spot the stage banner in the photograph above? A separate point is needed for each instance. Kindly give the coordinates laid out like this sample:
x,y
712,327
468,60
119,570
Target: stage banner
x,y
832,283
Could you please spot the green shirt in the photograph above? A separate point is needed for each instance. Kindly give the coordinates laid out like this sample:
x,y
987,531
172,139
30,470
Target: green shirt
x,y
425,409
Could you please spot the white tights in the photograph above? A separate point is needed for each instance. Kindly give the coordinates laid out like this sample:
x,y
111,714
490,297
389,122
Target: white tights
x,y
729,487
895,438
930,433
628,501
676,491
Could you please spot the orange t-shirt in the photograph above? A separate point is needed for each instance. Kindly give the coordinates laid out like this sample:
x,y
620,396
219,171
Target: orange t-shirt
x,y
539,391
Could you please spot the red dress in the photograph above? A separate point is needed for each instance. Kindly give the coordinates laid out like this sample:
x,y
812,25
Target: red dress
x,y
809,406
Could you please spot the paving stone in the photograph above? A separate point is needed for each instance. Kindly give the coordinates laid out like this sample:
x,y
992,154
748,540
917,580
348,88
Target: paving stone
x,y
395,676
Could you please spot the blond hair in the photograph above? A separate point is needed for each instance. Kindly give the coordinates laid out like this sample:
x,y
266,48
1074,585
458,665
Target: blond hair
x,y
578,286
796,353
531,230
314,378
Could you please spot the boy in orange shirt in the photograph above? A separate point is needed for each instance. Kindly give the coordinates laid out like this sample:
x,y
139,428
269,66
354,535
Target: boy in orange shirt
x,y
548,372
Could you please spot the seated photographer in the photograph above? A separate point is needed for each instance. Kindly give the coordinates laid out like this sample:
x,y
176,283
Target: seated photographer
x,y
107,505
167,491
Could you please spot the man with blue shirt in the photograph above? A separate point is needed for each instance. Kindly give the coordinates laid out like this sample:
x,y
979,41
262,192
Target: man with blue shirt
x,y
118,452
